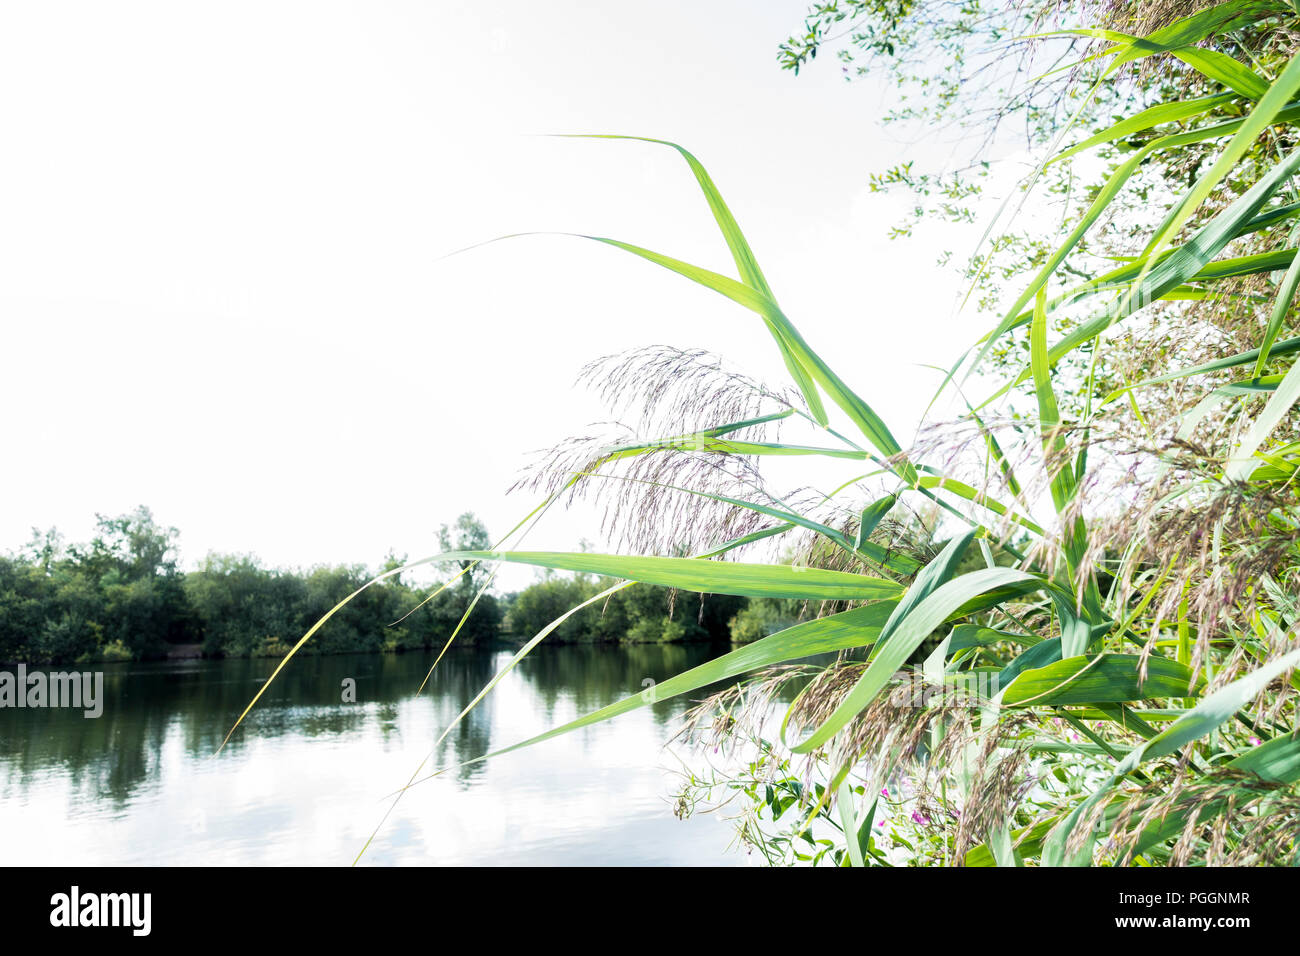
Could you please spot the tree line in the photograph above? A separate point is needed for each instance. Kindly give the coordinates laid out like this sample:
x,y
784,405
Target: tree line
x,y
124,596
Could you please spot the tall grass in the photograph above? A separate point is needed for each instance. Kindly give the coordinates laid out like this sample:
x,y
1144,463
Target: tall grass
x,y
1137,633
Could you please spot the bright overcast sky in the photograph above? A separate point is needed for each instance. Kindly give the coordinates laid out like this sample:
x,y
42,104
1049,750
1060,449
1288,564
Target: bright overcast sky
x,y
221,228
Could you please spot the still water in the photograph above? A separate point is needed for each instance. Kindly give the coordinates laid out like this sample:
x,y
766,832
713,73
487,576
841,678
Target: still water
x,y
304,781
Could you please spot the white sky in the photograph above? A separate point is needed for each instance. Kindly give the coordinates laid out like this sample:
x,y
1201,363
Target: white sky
x,y
220,231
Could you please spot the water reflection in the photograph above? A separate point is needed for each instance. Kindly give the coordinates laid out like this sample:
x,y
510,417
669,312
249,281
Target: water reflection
x,y
303,780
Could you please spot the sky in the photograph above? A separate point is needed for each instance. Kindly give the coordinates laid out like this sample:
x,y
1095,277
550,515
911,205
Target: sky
x,y
224,234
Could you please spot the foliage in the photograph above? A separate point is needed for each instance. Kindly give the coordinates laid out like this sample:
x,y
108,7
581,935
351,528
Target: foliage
x,y
119,594
122,596
763,616
639,614
1010,79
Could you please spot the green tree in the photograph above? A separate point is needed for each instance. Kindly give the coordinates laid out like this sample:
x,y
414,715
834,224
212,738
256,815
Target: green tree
x,y
448,609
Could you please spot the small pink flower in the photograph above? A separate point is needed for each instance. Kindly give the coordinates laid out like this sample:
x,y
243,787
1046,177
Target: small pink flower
x,y
918,818
884,792
1255,741
881,823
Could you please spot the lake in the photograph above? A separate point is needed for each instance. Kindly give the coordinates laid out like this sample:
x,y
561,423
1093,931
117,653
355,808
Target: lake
x,y
304,780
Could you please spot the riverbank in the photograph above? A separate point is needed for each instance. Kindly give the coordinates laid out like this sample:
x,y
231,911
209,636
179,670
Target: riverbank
x,y
123,597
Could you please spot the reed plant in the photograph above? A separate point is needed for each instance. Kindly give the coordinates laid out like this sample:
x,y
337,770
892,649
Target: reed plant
x,y
1103,544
